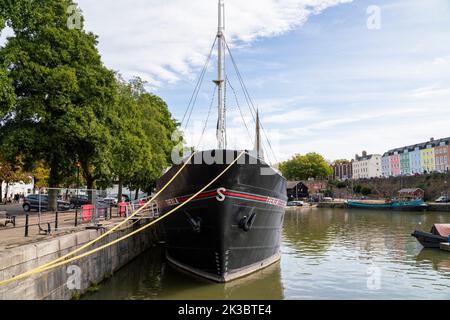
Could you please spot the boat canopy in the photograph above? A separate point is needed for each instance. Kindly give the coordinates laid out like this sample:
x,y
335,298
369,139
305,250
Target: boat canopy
x,y
441,229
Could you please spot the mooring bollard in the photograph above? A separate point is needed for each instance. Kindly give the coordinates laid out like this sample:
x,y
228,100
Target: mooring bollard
x,y
26,225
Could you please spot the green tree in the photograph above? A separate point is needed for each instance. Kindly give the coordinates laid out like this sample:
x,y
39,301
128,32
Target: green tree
x,y
142,137
159,126
11,172
7,96
302,167
41,174
61,115
131,150
341,185
357,188
365,191
341,161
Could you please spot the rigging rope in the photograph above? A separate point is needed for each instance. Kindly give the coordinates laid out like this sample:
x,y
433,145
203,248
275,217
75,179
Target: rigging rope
x,y
248,97
207,118
243,119
240,111
198,86
55,265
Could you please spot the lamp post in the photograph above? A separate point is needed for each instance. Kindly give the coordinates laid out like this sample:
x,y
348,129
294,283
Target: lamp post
x,y
78,165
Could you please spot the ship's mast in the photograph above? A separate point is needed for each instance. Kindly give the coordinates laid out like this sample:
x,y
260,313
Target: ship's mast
x,y
258,145
221,135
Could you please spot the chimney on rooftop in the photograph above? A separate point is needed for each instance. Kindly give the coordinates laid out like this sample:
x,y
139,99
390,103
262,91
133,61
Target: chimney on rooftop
x,y
431,139
364,153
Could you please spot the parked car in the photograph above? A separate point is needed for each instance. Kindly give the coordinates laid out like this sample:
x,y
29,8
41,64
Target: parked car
x,y
443,199
125,198
327,199
78,201
34,201
111,201
295,204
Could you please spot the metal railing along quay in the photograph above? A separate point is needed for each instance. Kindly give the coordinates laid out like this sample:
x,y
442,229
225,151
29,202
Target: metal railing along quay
x,y
89,215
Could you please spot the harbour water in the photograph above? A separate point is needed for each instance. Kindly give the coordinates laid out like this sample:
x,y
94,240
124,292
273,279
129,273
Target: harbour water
x,y
326,254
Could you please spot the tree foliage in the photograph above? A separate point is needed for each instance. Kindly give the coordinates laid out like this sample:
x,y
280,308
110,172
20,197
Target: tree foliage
x,y
7,96
303,167
41,175
62,91
365,191
11,172
59,105
142,129
341,161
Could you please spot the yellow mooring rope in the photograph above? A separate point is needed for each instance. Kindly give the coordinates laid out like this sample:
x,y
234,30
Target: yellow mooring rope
x,y
53,264
115,227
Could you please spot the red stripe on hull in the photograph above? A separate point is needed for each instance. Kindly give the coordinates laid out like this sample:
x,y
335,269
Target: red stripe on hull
x,y
234,194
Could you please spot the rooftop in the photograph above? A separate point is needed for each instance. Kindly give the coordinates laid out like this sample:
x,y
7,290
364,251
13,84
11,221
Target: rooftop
x,y
421,146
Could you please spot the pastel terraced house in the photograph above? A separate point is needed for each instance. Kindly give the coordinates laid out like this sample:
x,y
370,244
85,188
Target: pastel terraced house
x,y
394,163
415,161
385,166
442,156
405,162
428,159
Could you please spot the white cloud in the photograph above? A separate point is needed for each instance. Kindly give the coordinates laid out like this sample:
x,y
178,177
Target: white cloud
x,y
347,89
162,41
298,115
430,91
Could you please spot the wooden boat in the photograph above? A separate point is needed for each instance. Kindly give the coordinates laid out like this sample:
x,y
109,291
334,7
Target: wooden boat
x,y
408,205
439,233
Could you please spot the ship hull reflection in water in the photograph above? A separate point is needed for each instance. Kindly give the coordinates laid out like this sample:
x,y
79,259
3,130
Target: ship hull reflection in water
x,y
326,254
150,276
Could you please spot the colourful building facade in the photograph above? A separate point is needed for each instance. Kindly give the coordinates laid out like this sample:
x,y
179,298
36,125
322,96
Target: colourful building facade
x,y
421,158
442,152
404,162
385,166
394,163
415,161
427,157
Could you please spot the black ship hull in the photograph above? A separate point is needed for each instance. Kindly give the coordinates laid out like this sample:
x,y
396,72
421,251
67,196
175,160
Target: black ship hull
x,y
231,229
429,240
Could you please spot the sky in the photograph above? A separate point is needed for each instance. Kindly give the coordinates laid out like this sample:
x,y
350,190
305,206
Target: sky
x,y
329,76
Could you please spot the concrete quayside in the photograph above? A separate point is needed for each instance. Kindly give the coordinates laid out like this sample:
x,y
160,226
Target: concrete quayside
x,y
19,254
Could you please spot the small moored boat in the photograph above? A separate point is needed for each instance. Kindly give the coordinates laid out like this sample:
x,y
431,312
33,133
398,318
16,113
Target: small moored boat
x,y
439,233
409,205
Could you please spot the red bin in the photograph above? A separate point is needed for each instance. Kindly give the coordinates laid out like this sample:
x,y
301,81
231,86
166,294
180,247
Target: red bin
x,y
122,209
86,212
